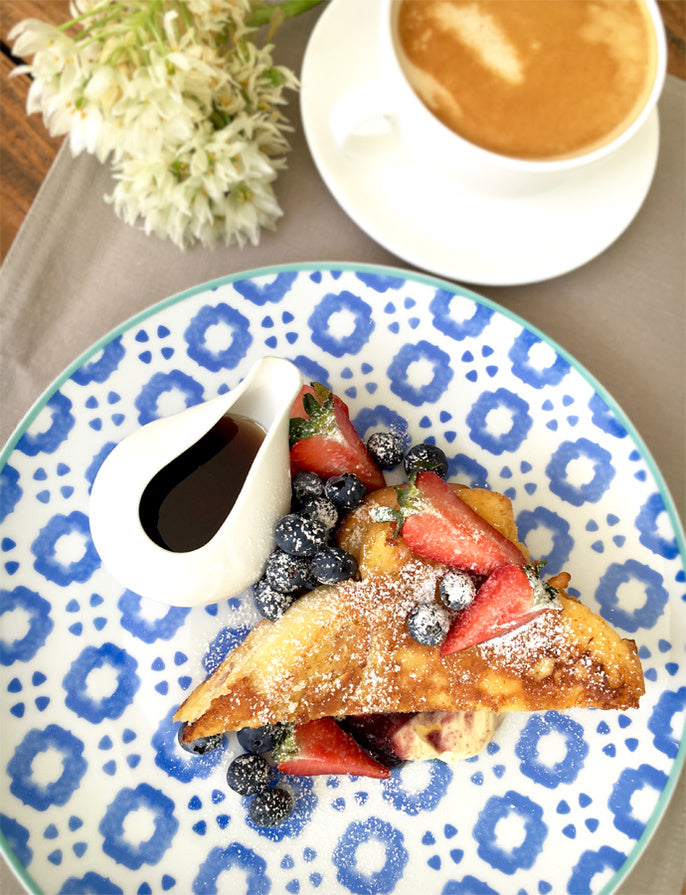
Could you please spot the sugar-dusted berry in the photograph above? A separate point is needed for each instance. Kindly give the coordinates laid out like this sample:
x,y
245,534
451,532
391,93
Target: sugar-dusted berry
x,y
333,564
271,807
385,449
323,510
298,535
510,597
426,456
346,491
286,573
457,589
305,486
269,602
249,774
428,623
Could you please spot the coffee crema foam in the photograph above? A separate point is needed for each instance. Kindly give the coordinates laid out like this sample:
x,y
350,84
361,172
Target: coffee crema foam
x,y
530,79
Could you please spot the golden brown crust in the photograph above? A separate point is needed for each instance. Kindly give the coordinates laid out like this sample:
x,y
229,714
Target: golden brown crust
x,y
345,650
335,653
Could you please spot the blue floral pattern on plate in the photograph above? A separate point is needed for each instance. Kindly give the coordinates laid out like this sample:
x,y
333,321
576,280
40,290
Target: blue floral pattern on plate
x,y
96,794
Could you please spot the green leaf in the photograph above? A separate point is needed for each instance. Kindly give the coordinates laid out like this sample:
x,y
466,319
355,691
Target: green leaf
x,y
299,428
320,408
310,404
286,747
545,594
409,496
387,514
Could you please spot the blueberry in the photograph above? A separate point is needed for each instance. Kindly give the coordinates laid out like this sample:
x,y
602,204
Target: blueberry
x,y
428,624
426,456
271,603
332,564
259,740
345,490
299,536
385,449
311,583
323,510
305,486
286,573
249,774
456,589
201,745
271,807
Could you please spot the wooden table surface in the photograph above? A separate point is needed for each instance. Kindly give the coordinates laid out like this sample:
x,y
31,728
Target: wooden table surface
x,y
27,150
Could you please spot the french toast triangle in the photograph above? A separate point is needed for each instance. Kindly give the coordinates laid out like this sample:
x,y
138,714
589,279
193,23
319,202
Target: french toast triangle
x,y
344,649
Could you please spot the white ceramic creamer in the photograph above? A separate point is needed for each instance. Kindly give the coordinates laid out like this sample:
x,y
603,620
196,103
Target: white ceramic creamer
x,y
233,558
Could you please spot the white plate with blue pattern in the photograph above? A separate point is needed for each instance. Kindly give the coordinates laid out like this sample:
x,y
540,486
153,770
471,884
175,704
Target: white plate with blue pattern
x,y
95,794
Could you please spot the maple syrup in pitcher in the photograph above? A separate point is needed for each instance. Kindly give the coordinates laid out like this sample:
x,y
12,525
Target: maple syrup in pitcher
x,y
185,504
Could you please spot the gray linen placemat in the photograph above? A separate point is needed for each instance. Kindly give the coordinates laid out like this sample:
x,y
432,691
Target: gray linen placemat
x,y
75,272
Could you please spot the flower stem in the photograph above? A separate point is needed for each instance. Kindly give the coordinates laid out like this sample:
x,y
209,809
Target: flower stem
x,y
96,11
87,33
186,14
262,15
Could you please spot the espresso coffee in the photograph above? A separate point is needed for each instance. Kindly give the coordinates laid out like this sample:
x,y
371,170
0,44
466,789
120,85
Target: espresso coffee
x,y
530,79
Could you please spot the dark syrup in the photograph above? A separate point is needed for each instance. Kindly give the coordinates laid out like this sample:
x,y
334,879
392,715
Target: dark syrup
x,y
185,504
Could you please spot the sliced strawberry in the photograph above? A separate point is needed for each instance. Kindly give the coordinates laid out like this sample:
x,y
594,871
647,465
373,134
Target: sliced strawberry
x,y
325,441
510,597
440,526
322,747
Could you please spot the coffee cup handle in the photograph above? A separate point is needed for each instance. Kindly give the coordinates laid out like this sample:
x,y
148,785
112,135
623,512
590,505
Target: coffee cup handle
x,y
362,113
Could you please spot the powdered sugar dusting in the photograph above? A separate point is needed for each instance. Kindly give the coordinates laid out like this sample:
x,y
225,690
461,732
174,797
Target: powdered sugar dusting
x,y
519,646
551,645
345,649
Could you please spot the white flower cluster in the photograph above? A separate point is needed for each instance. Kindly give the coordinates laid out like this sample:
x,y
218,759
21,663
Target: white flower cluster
x,y
181,102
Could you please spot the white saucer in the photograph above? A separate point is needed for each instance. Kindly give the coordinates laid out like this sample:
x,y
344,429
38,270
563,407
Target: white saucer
x,y
437,226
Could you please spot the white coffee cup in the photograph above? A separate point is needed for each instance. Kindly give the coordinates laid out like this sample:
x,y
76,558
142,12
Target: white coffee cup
x,y
389,108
